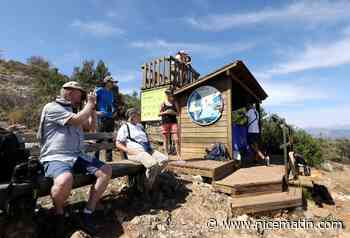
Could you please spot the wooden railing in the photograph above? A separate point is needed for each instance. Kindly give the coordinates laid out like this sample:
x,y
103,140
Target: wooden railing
x,y
167,71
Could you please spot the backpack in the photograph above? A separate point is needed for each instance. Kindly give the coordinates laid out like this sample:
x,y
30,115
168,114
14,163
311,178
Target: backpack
x,y
12,153
217,152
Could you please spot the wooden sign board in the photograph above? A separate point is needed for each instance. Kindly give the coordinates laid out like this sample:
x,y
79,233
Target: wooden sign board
x,y
150,104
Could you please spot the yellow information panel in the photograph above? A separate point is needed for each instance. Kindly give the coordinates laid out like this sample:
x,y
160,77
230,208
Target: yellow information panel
x,y
150,104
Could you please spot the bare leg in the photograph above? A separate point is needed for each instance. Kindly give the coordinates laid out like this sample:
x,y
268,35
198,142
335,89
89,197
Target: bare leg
x,y
103,176
256,149
60,190
177,147
165,143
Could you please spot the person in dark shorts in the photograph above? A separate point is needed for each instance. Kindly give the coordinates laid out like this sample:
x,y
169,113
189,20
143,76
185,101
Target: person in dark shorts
x,y
62,153
253,137
168,112
106,107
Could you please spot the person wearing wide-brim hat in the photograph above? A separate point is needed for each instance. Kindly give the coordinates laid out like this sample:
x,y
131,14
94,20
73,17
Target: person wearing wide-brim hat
x,y
106,107
132,139
169,110
61,138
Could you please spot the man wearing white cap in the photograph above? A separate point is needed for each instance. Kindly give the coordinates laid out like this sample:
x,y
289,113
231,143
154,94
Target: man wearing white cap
x,y
106,106
62,153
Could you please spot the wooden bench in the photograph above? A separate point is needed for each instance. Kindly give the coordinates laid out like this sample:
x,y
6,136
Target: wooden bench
x,y
120,168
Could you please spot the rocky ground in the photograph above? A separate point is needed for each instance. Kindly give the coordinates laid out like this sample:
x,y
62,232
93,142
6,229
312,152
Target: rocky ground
x,y
183,209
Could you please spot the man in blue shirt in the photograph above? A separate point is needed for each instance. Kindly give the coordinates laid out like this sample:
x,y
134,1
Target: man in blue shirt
x,y
106,106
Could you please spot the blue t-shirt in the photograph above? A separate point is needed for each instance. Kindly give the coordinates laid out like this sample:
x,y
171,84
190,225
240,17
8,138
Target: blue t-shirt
x,y
105,100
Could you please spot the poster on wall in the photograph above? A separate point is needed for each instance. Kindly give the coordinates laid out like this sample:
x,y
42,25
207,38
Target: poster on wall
x,y
205,105
150,104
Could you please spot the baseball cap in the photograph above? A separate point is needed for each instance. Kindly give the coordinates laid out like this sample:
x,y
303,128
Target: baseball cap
x,y
74,85
109,79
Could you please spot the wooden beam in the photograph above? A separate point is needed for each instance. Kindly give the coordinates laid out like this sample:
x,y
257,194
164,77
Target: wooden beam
x,y
228,110
98,146
244,86
98,136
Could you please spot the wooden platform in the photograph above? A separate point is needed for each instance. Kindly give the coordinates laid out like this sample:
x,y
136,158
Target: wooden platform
x,y
268,202
214,170
252,181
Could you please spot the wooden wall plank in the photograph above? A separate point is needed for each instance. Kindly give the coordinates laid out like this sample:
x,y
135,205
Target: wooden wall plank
x,y
204,134
203,140
205,129
190,124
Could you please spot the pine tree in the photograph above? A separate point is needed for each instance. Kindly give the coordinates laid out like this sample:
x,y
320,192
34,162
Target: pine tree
x,y
101,72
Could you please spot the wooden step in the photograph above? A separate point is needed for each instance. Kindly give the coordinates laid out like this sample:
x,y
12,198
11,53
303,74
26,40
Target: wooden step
x,y
252,181
268,202
212,169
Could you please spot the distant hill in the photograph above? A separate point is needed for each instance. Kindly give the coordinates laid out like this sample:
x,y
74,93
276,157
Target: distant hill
x,y
332,133
17,86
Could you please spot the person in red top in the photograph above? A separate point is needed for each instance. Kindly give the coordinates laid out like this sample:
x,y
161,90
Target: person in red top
x,y
168,112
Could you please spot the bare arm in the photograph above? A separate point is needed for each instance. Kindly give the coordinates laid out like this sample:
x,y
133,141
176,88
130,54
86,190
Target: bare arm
x,y
122,147
82,116
90,124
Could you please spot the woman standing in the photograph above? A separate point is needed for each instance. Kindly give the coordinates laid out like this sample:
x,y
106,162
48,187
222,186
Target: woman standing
x,y
169,111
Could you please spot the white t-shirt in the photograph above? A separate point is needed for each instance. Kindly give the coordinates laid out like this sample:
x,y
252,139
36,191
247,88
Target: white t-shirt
x,y
253,121
136,132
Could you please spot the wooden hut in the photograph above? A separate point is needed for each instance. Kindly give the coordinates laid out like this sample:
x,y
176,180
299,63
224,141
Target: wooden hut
x,y
236,86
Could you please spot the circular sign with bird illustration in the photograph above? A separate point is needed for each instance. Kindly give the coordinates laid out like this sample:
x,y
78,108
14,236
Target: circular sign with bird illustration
x,y
205,105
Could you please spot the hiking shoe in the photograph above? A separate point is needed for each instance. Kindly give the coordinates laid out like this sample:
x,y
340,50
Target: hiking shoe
x,y
58,221
87,224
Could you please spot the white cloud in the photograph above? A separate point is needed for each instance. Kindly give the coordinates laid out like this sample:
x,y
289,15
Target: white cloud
x,y
291,93
97,28
315,56
314,12
211,50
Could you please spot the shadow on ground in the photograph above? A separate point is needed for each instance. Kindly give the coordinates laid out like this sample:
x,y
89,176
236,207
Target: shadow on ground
x,y
117,207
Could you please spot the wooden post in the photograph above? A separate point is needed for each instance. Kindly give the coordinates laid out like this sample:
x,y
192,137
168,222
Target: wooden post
x,y
144,76
147,76
164,71
229,114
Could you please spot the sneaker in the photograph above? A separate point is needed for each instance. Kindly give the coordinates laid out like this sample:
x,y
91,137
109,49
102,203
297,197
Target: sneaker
x,y
87,224
59,226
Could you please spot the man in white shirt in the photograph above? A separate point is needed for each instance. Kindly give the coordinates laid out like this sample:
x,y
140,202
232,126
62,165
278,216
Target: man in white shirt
x,y
133,141
254,131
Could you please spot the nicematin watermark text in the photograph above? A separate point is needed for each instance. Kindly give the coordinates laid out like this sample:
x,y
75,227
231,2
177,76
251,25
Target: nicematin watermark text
x,y
262,224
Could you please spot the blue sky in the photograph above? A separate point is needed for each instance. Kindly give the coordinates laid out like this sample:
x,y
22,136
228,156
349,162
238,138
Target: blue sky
x,y
298,50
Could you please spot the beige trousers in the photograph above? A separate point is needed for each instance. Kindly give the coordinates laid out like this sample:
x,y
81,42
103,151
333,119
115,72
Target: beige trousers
x,y
154,164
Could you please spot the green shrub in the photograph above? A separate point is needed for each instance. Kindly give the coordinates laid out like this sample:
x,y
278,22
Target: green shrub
x,y
309,147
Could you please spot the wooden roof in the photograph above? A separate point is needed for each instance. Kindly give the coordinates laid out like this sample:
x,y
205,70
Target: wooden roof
x,y
238,72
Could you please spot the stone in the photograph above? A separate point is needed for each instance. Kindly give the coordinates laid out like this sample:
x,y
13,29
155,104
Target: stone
x,y
136,220
308,215
197,178
243,217
327,167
